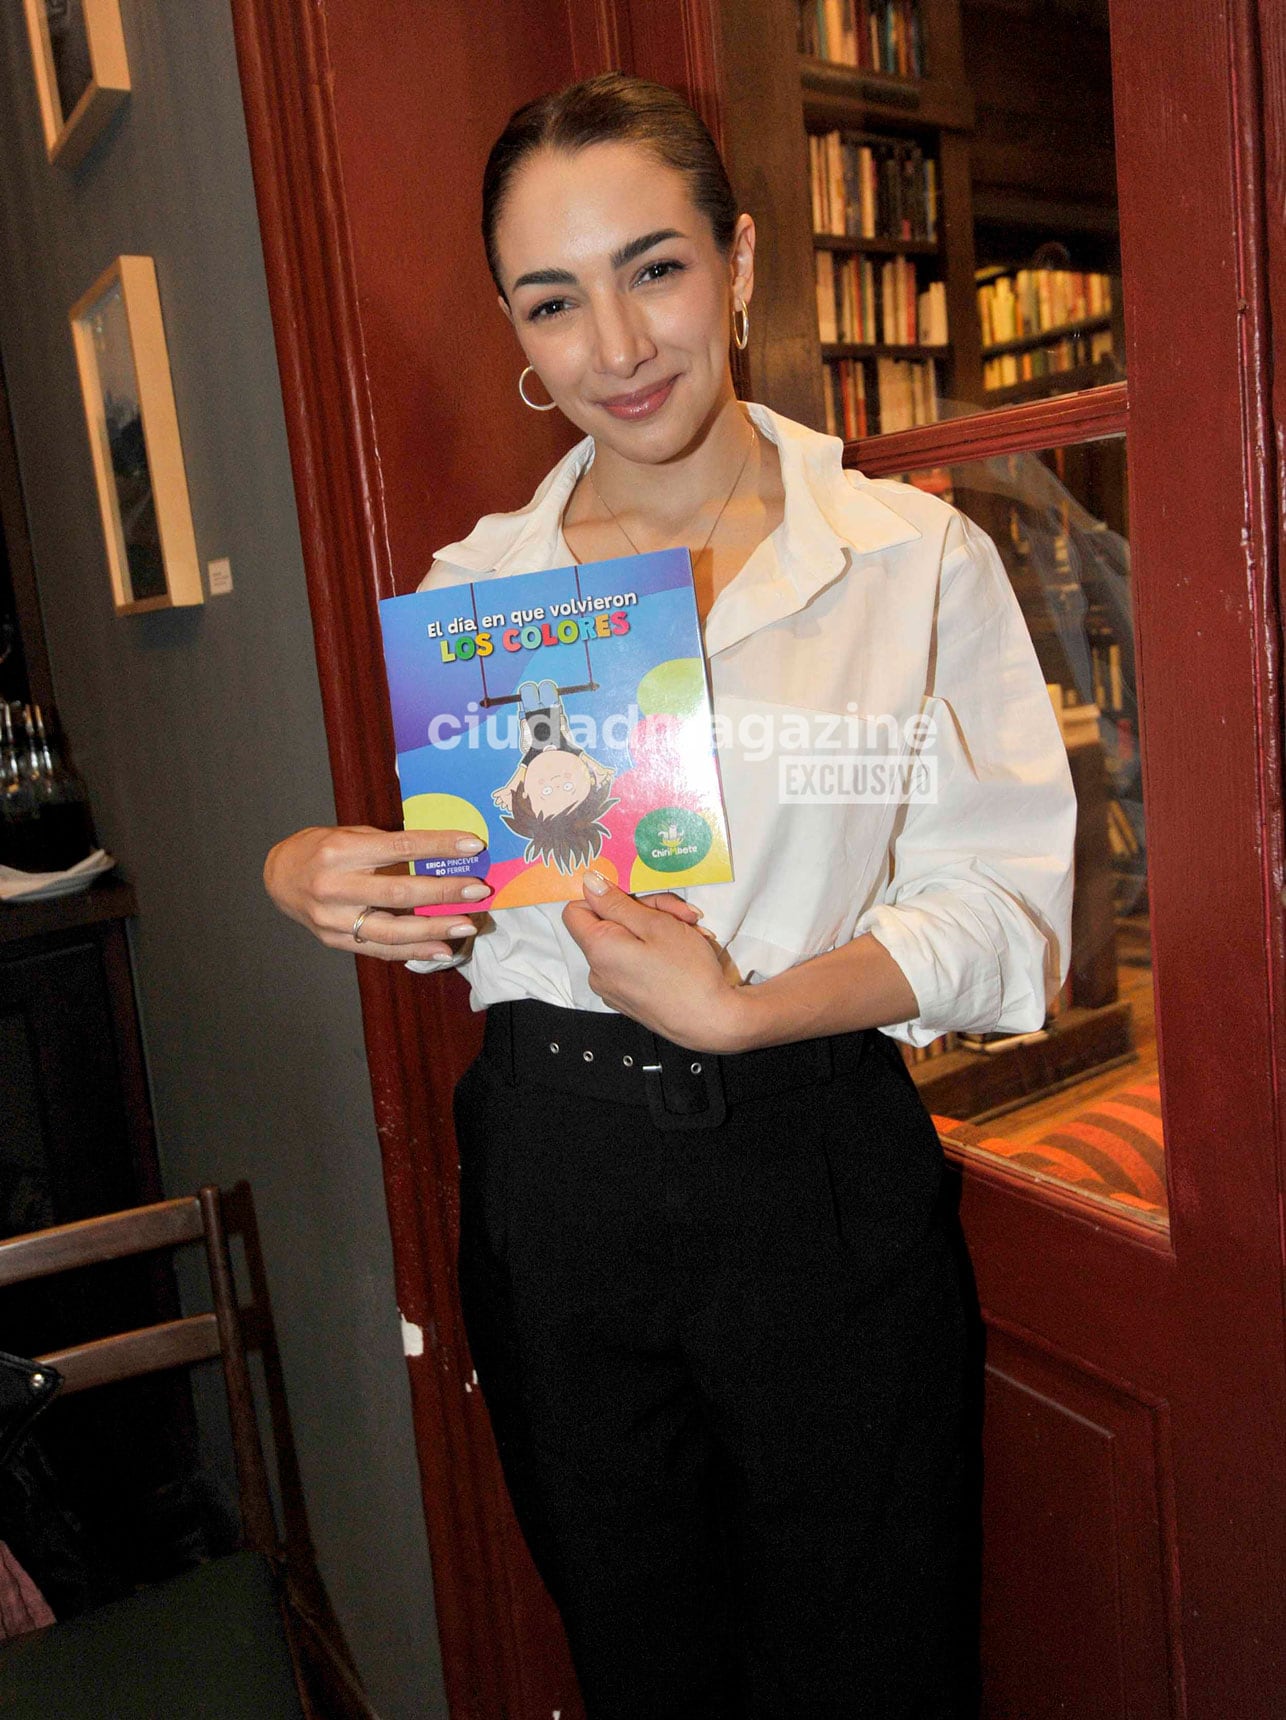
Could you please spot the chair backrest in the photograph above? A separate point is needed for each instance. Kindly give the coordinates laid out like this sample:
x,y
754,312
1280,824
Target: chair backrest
x,y
167,1224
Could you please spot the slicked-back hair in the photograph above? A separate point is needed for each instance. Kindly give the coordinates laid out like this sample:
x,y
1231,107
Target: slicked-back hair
x,y
611,108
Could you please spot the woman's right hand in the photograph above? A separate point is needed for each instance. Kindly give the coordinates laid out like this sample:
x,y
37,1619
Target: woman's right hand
x,y
325,877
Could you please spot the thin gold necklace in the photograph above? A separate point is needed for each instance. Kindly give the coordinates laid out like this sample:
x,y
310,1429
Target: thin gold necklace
x,y
741,471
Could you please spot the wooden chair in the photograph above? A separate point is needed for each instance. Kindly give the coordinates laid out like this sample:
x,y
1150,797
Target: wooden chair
x,y
249,1634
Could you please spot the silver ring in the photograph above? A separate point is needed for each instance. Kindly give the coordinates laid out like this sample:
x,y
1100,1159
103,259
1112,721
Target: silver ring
x,y
357,926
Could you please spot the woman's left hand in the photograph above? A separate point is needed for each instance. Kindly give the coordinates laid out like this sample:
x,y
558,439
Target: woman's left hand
x,y
649,964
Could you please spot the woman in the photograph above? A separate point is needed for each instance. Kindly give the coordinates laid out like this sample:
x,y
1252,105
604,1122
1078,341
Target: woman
x,y
711,1288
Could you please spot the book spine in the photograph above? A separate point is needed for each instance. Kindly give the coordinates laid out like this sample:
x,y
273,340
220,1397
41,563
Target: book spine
x,y
835,182
825,263
834,29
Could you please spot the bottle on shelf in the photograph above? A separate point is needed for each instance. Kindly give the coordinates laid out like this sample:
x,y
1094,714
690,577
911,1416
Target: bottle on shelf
x,y
45,823
17,799
66,828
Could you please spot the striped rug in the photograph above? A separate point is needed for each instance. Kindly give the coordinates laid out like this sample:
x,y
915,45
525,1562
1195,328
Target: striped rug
x,y
1113,1148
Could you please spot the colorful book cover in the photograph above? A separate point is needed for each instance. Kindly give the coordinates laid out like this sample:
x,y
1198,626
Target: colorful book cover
x,y
564,718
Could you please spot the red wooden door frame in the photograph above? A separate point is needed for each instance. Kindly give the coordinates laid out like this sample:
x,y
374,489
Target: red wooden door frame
x,y
1205,543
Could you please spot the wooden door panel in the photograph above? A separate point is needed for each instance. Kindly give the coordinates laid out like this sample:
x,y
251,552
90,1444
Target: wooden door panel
x,y
1077,1544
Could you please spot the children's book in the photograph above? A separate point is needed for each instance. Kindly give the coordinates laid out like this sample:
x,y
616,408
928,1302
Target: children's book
x,y
565,719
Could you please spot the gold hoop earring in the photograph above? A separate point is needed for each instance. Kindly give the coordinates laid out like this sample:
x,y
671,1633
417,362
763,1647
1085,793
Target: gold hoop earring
x,y
534,404
740,326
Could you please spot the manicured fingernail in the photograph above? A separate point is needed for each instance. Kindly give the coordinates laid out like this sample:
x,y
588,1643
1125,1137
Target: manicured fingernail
x,y
469,845
697,911
595,883
475,892
465,929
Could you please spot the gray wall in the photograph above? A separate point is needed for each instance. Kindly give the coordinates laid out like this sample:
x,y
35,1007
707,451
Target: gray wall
x,y
200,734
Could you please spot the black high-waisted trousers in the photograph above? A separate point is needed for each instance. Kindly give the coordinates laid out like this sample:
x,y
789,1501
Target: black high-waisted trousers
x,y
727,1369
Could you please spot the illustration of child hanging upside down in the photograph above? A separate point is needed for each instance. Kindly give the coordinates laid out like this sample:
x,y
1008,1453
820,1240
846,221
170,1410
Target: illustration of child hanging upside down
x,y
558,793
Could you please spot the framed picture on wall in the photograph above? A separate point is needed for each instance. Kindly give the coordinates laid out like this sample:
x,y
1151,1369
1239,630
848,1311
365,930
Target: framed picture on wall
x,y
82,75
134,440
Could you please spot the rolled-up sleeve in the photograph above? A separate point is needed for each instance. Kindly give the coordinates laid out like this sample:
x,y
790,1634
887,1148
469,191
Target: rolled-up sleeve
x,y
978,905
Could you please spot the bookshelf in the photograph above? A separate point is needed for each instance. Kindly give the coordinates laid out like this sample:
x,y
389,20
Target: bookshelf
x,y
914,93
886,116
774,128
877,258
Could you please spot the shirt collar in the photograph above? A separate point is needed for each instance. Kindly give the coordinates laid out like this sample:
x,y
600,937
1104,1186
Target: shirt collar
x,y
830,516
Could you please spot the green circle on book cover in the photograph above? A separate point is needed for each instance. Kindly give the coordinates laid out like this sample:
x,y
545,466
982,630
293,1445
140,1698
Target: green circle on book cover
x,y
675,688
672,839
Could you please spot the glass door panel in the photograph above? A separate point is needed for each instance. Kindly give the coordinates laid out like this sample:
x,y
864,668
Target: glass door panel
x,y
1077,1102
963,200
1042,175
963,205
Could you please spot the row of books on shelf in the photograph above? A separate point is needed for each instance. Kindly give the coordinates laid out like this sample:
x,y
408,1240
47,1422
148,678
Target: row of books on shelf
x,y
1121,832
872,188
878,35
1064,699
1105,667
869,303
1109,688
1032,301
872,397
1069,352
1080,722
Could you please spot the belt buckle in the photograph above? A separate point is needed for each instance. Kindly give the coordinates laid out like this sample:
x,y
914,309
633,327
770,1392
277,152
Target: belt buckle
x,y
711,1114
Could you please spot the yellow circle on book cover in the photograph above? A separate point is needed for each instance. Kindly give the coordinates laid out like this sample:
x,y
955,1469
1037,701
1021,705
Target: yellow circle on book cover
x,y
675,688
446,812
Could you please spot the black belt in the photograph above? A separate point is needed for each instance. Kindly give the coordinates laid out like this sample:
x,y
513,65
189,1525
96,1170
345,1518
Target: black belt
x,y
614,1058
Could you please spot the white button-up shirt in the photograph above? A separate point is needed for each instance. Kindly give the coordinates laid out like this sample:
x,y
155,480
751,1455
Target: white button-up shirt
x,y
872,604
